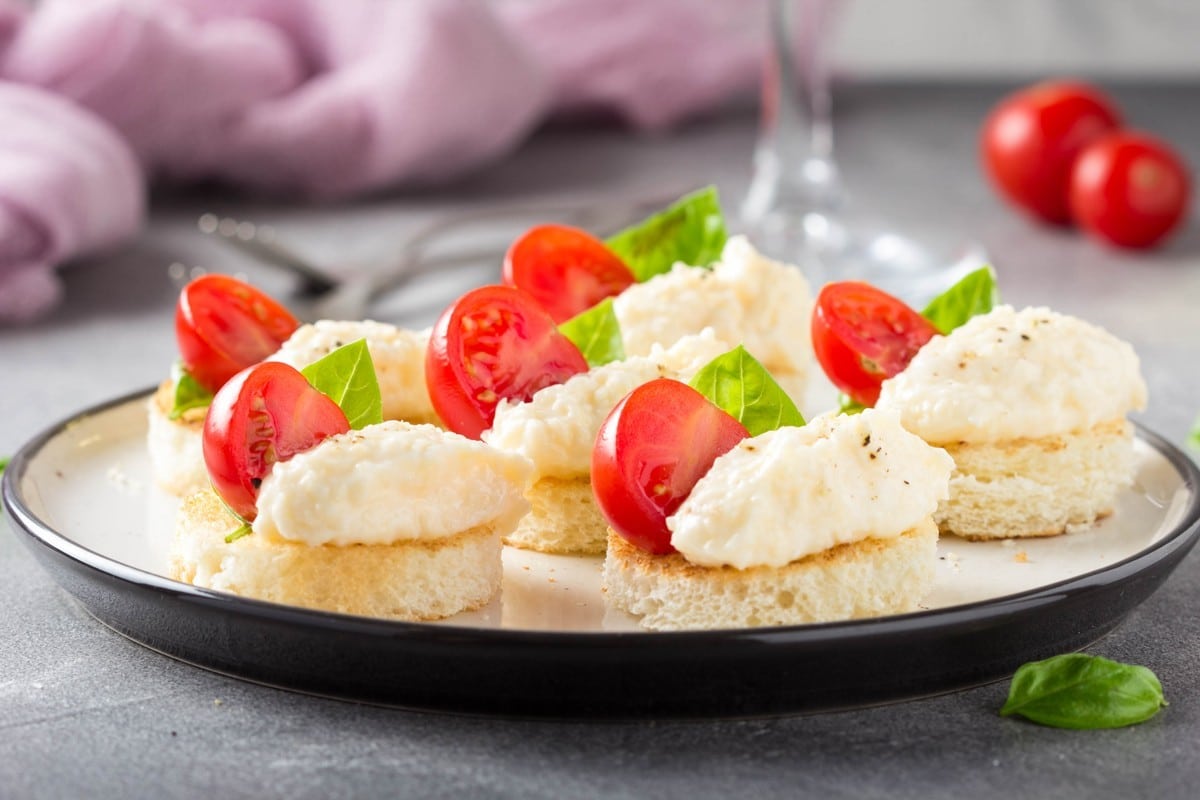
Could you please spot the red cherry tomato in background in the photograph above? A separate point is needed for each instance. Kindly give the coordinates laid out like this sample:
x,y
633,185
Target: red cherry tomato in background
x,y
223,325
650,451
565,269
262,415
493,343
1129,189
862,335
1031,139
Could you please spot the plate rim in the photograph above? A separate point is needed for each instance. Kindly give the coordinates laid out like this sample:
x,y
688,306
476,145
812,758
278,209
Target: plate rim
x,y
1183,535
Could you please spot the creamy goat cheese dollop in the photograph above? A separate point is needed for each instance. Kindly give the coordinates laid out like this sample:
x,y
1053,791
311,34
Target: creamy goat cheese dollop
x,y
556,428
1015,374
745,298
792,492
398,355
390,483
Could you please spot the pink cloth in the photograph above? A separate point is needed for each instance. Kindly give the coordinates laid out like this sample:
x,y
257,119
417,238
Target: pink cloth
x,y
332,98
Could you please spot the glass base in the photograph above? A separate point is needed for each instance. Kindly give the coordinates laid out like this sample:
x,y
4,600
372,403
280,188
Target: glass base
x,y
835,246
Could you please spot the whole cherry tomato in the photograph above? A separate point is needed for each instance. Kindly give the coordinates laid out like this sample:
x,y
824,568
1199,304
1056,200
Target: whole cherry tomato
x,y
565,269
223,325
863,335
1031,139
1129,189
263,415
493,343
650,451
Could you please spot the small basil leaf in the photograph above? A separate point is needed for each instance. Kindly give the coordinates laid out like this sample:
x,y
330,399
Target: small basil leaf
x,y
347,376
4,463
1084,692
189,393
739,384
848,405
596,333
1193,439
975,294
243,530
691,230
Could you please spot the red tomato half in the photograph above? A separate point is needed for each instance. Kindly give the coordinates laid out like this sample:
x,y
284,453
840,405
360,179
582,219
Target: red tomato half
x,y
565,269
262,415
1031,139
1129,189
493,343
863,335
650,451
223,326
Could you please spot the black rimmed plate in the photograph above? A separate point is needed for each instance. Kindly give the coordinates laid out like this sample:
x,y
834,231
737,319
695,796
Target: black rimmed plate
x,y
82,495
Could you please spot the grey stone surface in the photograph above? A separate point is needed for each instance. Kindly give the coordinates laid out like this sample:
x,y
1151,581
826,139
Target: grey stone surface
x,y
86,713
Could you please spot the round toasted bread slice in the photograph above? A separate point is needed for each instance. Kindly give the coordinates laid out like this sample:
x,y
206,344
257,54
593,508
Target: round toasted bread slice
x,y
868,578
563,519
1037,487
414,580
176,457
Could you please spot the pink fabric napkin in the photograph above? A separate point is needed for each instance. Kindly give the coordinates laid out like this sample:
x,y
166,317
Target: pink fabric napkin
x,y
333,98
68,185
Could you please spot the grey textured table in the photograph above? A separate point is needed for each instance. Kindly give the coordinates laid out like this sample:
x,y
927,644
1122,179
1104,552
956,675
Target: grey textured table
x,y
84,712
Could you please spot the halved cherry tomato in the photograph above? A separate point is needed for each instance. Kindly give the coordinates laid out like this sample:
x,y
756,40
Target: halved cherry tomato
x,y
1033,136
262,415
650,451
1130,189
493,343
863,335
223,325
565,269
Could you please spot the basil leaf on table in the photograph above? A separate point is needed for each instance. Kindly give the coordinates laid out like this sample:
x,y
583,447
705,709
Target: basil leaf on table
x,y
691,230
347,376
975,294
189,393
1084,692
596,333
4,463
739,384
1193,439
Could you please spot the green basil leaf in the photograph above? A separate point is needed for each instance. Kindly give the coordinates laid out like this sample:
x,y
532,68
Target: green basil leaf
x,y
691,230
739,384
347,376
596,333
1193,439
243,530
1084,692
848,405
189,393
973,295
4,463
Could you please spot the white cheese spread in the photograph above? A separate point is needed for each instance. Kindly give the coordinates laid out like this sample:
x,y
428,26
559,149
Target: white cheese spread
x,y
1016,374
745,298
398,356
556,428
792,492
390,483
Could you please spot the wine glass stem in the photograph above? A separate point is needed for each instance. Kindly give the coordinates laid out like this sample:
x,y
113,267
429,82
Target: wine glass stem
x,y
793,162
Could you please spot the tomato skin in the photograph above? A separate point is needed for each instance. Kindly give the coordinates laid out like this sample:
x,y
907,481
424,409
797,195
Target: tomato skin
x,y
862,335
1130,189
1032,137
493,343
262,415
651,450
567,270
223,325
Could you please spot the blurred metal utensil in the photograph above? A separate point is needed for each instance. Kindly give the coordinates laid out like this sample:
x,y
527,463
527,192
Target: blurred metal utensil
x,y
330,297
